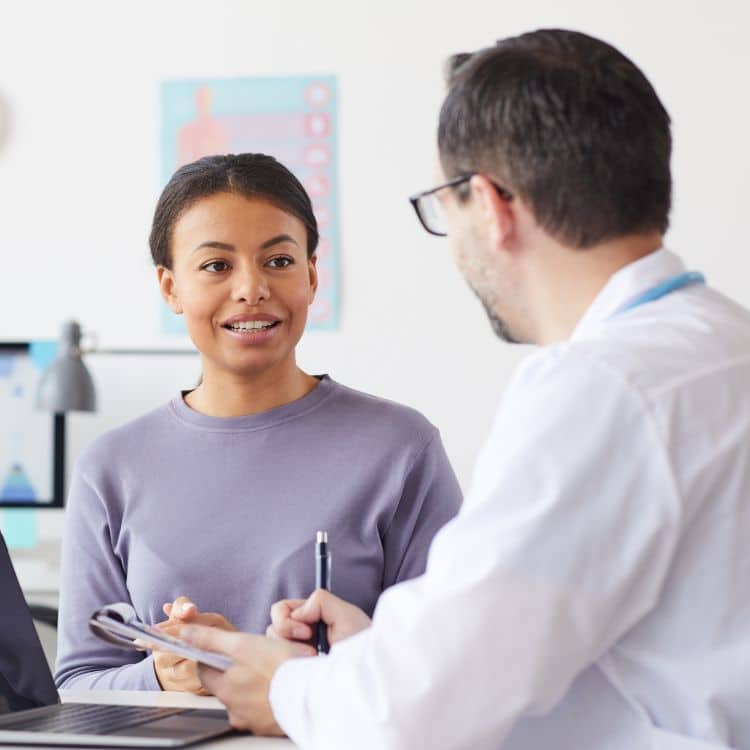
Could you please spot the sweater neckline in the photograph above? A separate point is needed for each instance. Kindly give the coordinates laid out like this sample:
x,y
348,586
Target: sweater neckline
x,y
261,420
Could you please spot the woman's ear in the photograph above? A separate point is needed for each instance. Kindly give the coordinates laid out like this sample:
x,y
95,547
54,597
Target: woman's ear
x,y
312,269
168,289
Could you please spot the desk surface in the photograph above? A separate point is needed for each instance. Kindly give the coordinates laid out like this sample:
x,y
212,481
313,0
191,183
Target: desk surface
x,y
144,698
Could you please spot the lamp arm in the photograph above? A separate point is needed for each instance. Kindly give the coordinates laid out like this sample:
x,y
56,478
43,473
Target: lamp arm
x,y
138,352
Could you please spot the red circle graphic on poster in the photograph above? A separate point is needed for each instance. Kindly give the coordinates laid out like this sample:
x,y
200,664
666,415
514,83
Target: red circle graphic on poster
x,y
318,94
322,216
318,186
317,124
317,155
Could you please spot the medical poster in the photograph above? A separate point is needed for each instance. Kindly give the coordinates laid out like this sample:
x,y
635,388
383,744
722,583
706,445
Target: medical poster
x,y
291,118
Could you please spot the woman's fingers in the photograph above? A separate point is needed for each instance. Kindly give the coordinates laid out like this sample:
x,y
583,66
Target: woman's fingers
x,y
176,673
214,619
166,660
182,609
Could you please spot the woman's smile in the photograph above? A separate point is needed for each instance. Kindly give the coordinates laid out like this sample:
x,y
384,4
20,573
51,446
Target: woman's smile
x,y
252,329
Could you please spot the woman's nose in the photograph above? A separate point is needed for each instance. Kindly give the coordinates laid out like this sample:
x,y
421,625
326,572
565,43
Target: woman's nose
x,y
251,286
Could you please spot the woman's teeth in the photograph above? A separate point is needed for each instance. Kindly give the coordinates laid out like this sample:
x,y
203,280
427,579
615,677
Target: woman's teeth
x,y
251,325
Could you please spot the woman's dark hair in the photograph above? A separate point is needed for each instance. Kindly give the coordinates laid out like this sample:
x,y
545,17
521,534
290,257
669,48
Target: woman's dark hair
x,y
251,175
568,123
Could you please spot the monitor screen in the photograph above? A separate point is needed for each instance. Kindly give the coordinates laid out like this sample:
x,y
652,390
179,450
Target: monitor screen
x,y
32,443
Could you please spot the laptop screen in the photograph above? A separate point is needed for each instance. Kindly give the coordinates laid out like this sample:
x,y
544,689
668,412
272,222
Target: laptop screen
x,y
25,678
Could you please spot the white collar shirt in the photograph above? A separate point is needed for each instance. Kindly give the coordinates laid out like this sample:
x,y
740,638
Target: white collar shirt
x,y
594,590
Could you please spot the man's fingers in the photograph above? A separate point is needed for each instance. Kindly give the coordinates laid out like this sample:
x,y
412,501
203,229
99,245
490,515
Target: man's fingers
x,y
320,605
282,609
283,627
343,619
301,649
290,630
213,639
309,611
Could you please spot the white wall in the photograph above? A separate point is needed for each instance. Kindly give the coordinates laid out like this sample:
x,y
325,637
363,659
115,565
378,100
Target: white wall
x,y
79,174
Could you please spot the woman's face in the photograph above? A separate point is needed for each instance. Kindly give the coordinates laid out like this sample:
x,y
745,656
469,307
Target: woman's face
x,y
241,277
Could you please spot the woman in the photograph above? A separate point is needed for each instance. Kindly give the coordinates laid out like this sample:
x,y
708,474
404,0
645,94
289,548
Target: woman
x,y
217,495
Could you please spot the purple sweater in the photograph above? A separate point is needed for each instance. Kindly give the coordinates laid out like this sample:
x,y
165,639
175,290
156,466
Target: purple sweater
x,y
225,510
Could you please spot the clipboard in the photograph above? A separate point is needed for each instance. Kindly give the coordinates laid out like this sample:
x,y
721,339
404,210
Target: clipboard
x,y
117,624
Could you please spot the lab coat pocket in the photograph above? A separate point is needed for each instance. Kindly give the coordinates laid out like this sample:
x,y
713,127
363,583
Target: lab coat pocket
x,y
662,740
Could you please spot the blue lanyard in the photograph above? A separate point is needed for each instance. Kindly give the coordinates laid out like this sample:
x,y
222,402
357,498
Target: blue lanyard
x,y
662,290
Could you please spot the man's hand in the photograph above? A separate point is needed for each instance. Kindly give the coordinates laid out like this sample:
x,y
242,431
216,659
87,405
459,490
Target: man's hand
x,y
244,687
294,619
176,672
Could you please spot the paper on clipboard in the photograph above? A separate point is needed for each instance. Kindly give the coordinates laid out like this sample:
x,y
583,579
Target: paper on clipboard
x,y
118,625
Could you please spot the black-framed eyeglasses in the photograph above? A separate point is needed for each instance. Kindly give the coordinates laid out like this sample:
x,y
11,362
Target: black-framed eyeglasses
x,y
430,211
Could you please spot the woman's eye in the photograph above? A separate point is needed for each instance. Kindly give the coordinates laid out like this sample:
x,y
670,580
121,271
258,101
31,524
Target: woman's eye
x,y
215,266
281,262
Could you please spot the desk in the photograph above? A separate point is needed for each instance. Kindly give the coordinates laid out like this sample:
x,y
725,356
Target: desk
x,y
181,700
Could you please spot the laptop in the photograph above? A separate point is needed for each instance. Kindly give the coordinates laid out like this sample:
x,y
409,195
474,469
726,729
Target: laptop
x,y
30,708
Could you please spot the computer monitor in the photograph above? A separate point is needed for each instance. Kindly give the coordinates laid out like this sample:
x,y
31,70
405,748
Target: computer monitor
x,y
32,443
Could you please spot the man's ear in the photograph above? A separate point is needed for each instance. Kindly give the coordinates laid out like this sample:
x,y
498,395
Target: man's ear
x,y
495,210
168,289
312,269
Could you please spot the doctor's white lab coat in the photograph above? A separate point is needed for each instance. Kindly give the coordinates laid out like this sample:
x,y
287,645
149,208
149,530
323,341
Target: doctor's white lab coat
x,y
594,591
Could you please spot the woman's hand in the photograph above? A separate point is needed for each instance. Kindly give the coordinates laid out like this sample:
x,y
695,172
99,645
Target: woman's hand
x,y
176,672
295,619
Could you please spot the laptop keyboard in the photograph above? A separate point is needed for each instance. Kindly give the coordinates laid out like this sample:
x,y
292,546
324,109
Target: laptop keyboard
x,y
85,718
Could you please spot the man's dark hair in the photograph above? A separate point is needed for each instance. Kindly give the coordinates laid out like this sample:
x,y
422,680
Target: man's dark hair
x,y
569,124
251,175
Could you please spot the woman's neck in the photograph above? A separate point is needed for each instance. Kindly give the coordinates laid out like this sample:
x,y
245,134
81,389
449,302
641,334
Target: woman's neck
x,y
223,395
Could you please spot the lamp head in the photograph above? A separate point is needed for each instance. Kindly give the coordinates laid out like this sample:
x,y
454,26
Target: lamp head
x,y
67,385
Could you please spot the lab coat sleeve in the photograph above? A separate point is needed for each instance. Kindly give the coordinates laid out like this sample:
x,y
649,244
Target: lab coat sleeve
x,y
91,577
563,545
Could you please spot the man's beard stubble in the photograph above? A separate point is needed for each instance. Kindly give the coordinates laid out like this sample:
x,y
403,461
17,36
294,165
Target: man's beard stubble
x,y
499,326
471,267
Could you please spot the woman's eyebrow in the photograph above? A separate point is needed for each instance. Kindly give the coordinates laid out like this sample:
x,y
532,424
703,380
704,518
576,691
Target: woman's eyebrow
x,y
276,240
215,245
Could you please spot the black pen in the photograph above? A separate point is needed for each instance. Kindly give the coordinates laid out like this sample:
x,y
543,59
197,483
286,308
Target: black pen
x,y
322,581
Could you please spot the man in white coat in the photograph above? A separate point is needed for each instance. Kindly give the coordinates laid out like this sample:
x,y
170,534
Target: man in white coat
x,y
594,591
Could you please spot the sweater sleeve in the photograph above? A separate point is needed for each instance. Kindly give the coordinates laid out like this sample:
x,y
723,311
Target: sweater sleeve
x,y
430,497
91,577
